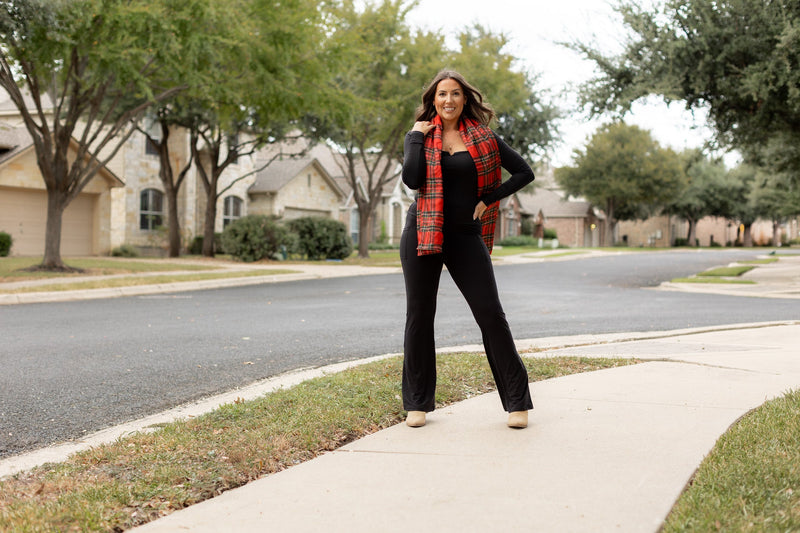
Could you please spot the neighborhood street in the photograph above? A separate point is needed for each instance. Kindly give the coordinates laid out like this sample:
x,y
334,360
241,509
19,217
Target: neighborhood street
x,y
71,368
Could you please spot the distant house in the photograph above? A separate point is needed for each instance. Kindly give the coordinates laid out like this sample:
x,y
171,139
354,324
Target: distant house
x,y
86,222
294,188
575,222
509,219
395,198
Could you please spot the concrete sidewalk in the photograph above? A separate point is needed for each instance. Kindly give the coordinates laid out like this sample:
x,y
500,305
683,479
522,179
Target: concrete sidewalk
x,y
605,451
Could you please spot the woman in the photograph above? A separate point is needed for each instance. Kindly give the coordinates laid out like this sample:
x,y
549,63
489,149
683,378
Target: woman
x,y
454,162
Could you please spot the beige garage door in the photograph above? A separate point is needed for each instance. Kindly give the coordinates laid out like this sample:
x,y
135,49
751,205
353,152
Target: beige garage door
x,y
23,214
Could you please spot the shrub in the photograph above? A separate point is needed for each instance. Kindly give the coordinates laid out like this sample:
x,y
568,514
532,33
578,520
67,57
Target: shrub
x,y
126,250
5,244
255,237
383,246
550,233
519,240
321,238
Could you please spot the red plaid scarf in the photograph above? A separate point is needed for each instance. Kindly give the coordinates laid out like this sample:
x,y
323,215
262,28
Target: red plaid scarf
x,y
482,146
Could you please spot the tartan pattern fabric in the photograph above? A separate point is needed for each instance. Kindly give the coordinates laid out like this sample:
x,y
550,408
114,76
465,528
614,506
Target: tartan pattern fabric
x,y
482,146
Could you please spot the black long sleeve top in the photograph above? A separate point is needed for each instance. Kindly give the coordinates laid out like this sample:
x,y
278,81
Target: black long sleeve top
x,y
460,177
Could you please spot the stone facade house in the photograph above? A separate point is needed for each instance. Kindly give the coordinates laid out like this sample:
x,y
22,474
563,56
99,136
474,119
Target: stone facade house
x,y
126,202
86,223
294,188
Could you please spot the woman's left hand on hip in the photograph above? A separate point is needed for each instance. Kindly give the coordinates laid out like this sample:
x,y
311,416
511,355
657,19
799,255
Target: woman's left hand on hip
x,y
479,209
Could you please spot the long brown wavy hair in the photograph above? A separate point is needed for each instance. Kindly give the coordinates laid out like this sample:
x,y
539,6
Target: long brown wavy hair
x,y
474,107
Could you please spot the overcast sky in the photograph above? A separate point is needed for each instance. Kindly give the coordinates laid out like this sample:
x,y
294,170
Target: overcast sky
x,y
533,28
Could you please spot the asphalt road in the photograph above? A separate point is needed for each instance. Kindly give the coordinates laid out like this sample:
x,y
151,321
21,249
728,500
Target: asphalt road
x,y
75,367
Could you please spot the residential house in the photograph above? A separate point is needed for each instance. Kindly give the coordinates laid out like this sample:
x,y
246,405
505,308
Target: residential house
x,y
395,198
86,223
509,218
576,222
295,187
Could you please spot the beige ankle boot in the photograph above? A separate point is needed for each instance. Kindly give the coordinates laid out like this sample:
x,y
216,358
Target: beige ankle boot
x,y
415,419
518,419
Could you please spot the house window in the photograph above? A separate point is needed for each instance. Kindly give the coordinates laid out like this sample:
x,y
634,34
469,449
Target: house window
x,y
151,209
232,210
154,133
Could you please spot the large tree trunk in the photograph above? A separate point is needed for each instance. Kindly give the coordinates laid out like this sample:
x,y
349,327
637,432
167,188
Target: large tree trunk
x,y
363,233
776,233
173,222
611,223
56,203
691,237
210,221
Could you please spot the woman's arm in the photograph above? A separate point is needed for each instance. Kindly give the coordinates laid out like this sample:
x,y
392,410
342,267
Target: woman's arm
x,y
414,171
521,173
414,160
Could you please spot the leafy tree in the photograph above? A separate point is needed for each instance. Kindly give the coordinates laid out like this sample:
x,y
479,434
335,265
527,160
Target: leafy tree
x,y
280,46
744,209
704,193
626,172
69,65
526,120
736,58
171,180
379,74
380,81
775,198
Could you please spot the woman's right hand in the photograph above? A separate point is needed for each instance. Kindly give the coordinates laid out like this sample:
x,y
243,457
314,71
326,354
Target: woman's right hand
x,y
423,126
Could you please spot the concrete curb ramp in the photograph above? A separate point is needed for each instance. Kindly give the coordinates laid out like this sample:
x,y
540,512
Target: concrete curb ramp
x,y
606,451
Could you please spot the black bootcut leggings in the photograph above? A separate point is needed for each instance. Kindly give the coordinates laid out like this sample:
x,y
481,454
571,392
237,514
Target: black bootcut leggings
x,y
469,264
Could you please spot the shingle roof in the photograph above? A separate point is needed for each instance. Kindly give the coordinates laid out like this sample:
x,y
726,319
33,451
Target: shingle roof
x,y
13,140
18,139
281,171
552,204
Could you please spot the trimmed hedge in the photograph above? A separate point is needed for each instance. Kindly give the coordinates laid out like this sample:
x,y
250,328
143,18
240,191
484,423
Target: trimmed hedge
x,y
126,250
256,237
321,238
519,240
5,244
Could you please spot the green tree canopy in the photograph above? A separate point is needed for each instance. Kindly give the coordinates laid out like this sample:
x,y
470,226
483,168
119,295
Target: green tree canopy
x,y
625,172
736,58
705,191
87,70
383,69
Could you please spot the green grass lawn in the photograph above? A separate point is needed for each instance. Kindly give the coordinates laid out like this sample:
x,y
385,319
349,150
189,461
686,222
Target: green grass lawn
x,y
140,477
720,275
726,272
751,479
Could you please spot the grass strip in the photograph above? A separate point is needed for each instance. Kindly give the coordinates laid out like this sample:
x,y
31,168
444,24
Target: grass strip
x,y
147,475
765,261
751,479
10,267
713,280
130,281
726,272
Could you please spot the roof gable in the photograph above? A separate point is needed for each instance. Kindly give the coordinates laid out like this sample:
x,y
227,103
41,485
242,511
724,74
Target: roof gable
x,y
279,173
15,141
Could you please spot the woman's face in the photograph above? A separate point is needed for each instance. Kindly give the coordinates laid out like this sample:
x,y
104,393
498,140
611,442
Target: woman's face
x,y
449,100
